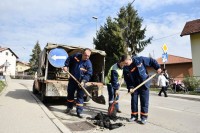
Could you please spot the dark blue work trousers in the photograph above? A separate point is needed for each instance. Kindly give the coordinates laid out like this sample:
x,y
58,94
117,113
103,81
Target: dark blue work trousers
x,y
72,87
143,94
112,97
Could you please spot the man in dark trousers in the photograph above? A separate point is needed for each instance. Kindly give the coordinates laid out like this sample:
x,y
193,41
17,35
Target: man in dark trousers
x,y
113,79
135,73
80,67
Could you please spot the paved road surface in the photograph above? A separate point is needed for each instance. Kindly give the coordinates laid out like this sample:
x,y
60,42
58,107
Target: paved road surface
x,y
166,115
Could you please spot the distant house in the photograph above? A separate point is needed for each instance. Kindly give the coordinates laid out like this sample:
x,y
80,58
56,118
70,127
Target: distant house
x,y
177,67
7,61
192,28
21,67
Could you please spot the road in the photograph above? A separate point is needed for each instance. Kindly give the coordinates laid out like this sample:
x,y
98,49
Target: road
x,y
166,115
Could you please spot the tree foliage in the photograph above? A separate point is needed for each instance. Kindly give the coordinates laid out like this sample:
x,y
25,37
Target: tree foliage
x,y
120,34
34,60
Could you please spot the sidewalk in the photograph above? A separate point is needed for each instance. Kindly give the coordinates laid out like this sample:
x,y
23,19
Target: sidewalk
x,y
22,112
182,96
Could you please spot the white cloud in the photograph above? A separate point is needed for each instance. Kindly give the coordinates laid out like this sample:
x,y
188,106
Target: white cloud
x,y
153,4
167,31
23,22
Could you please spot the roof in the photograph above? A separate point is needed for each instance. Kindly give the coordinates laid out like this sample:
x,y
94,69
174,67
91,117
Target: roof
x,y
3,49
73,49
172,59
191,27
24,63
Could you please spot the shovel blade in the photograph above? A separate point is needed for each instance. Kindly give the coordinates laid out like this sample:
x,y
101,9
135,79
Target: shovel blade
x,y
100,99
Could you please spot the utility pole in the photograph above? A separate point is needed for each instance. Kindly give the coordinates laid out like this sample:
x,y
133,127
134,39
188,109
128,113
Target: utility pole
x,y
96,18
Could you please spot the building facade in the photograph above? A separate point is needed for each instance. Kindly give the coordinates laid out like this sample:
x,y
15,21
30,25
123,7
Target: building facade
x,y
7,61
177,67
192,28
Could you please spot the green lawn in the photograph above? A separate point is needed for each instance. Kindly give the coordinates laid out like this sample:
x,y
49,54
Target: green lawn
x,y
2,85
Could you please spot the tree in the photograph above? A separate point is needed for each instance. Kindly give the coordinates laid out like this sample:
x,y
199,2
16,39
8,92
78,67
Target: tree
x,y
117,36
108,39
34,58
133,35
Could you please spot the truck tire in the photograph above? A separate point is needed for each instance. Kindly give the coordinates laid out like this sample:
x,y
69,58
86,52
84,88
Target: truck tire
x,y
34,89
43,96
86,98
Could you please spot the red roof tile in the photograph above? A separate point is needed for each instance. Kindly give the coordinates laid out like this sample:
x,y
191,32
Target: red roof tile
x,y
172,59
191,27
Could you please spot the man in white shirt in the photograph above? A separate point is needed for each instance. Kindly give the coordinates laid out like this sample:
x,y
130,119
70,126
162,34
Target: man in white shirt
x,y
162,83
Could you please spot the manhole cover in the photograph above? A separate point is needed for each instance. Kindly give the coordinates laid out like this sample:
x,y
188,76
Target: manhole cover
x,y
80,126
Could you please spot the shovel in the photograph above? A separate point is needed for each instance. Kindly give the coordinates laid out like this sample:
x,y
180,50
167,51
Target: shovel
x,y
100,99
134,89
112,109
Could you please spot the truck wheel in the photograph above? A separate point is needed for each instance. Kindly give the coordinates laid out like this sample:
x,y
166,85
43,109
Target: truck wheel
x,y
34,89
86,98
43,97
43,92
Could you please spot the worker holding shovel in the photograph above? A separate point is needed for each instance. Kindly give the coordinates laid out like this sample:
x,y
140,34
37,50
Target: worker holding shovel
x,y
135,73
113,82
80,67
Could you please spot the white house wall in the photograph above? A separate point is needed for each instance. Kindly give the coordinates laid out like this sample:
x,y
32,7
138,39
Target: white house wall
x,y
11,58
195,46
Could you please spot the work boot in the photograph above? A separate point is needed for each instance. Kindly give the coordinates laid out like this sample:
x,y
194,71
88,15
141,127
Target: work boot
x,y
132,119
79,115
119,111
143,121
68,111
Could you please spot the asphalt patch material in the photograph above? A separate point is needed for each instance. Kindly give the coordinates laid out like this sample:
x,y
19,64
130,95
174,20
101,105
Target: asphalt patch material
x,y
108,122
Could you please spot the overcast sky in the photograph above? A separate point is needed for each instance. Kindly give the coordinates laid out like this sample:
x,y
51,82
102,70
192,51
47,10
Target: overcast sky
x,y
23,22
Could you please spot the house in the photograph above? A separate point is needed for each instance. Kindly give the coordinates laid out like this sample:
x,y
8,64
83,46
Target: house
x,y
7,61
192,28
21,67
177,67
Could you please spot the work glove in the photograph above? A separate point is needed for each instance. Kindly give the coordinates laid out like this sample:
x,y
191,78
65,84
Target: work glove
x,y
117,92
65,69
131,90
83,83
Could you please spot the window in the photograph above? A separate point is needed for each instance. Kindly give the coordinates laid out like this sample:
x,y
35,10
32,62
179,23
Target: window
x,y
6,53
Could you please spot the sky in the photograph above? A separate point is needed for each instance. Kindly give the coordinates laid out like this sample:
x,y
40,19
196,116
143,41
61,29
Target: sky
x,y
70,22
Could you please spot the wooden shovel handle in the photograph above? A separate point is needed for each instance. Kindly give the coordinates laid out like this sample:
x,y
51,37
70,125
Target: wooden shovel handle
x,y
87,93
143,83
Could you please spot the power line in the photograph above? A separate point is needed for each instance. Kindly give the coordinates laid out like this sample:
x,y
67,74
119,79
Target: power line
x,y
165,36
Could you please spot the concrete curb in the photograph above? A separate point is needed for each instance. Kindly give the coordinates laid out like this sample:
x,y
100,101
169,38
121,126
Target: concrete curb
x,y
50,115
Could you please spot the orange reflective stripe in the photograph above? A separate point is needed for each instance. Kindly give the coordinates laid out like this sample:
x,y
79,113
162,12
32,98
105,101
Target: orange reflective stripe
x,y
132,70
70,101
77,104
134,113
76,59
146,114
